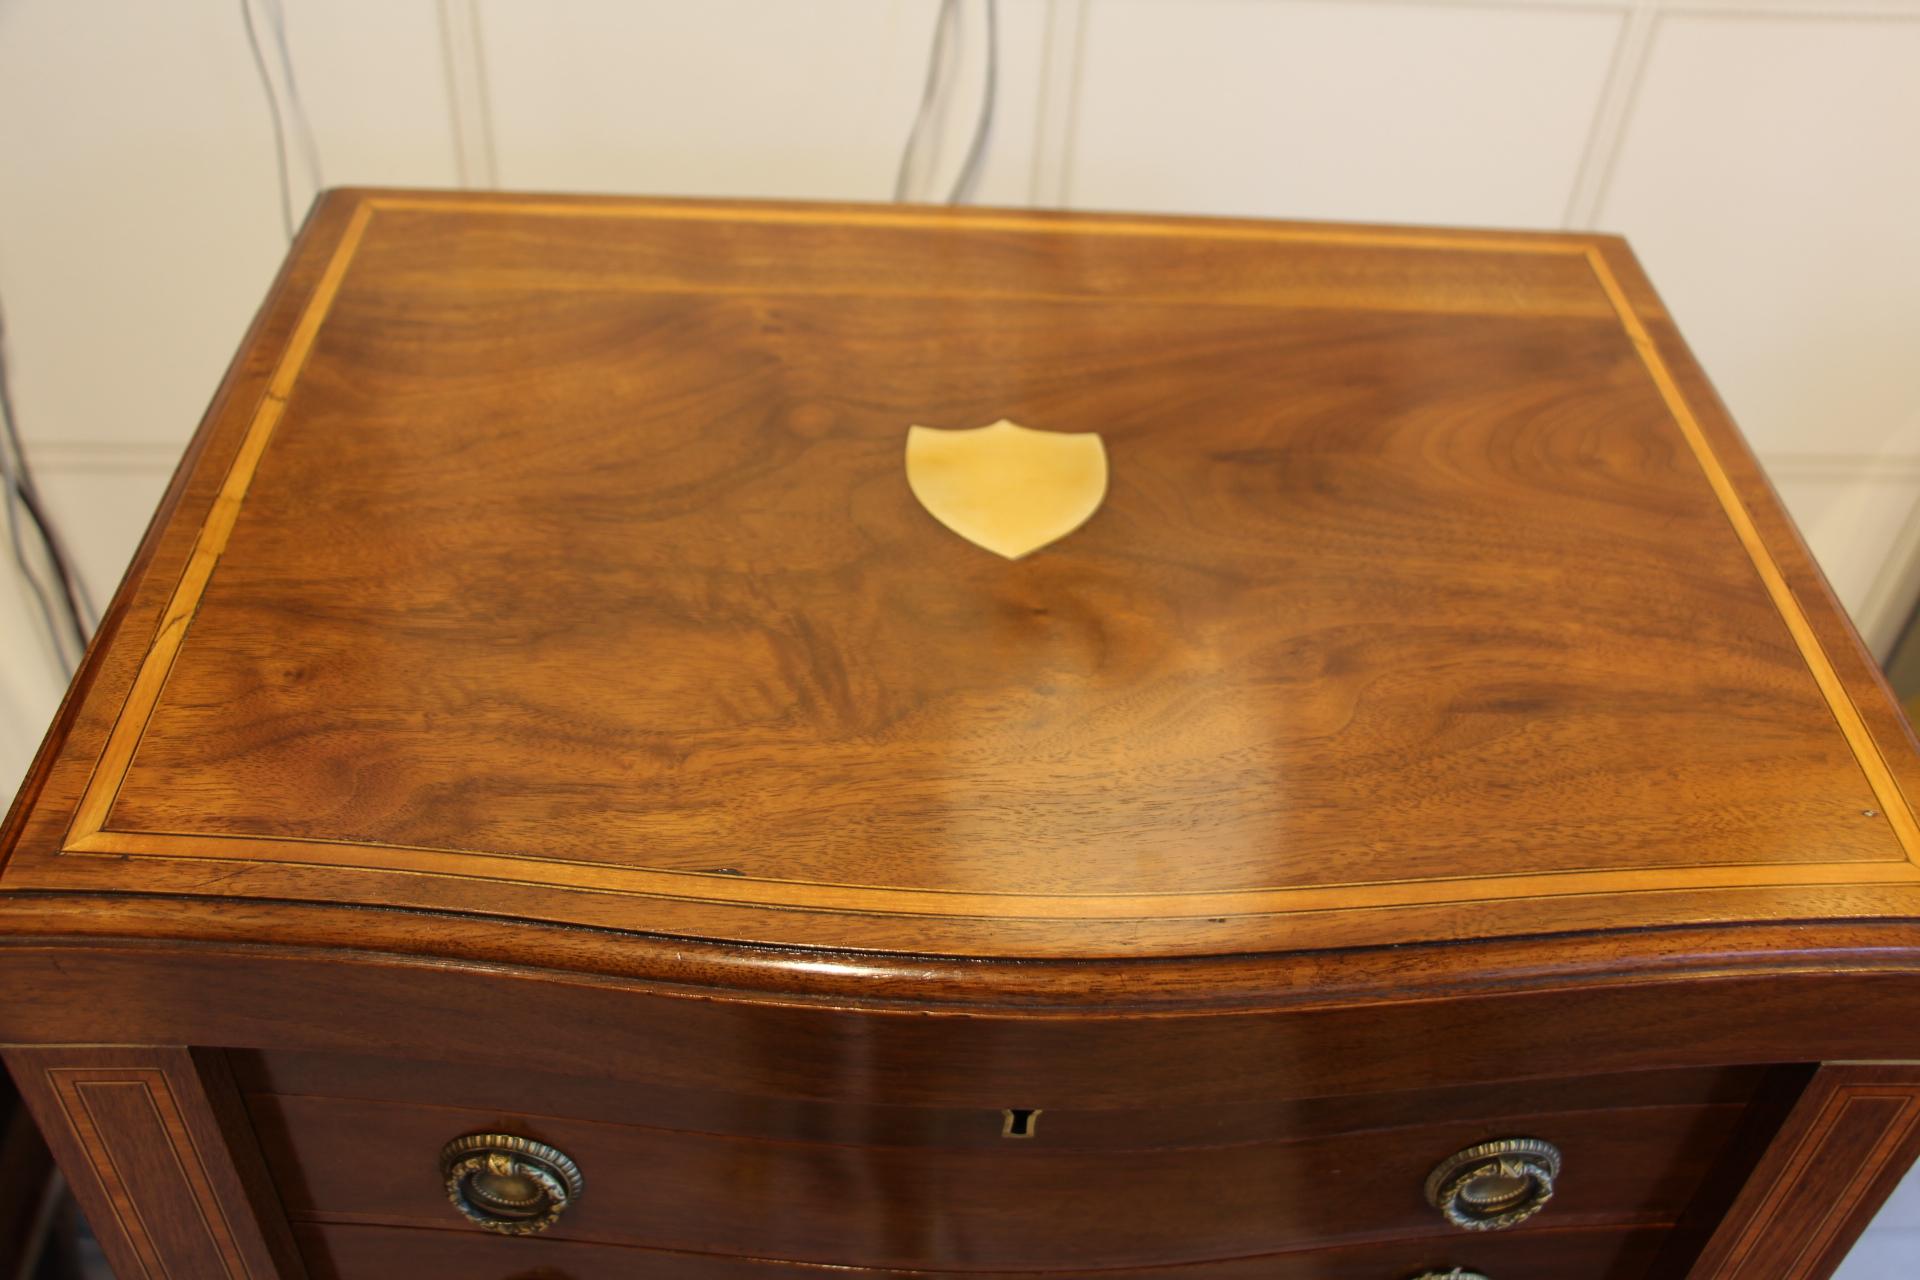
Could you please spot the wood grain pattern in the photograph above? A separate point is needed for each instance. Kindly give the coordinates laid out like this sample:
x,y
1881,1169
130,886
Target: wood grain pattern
x,y
1140,1126
952,1055
1019,1207
1838,1157
540,674
1377,425
383,1253
157,1162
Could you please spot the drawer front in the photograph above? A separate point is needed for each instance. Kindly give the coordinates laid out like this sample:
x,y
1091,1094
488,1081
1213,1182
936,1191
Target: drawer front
x,y
1067,1124
1017,1205
338,1252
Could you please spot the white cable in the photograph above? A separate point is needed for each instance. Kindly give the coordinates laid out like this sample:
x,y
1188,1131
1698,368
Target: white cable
x,y
944,25
918,158
970,168
273,111
296,108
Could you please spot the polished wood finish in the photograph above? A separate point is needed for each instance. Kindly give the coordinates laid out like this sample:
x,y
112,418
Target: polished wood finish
x,y
383,1253
1012,1208
1146,1124
518,1020
160,1156
540,701
1837,1159
785,706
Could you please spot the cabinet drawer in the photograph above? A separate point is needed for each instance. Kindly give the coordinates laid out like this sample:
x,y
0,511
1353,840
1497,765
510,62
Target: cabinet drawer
x,y
1017,1205
1066,1123
337,1252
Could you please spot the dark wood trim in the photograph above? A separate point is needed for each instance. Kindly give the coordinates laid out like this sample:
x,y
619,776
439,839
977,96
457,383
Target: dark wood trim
x,y
529,1019
352,1251
1839,1156
663,964
156,1146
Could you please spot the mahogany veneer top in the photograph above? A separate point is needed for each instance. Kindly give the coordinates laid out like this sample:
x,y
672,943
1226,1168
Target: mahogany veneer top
x,y
554,559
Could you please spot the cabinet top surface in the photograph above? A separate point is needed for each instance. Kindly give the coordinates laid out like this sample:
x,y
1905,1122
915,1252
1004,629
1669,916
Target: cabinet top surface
x,y
557,559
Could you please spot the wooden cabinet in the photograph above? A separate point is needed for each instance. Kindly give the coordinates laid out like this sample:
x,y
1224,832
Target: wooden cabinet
x,y
375,1253
558,702
1253,1182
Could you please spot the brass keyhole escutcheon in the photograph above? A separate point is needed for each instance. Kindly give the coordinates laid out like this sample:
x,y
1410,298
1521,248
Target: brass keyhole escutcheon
x,y
508,1184
1495,1185
1019,1122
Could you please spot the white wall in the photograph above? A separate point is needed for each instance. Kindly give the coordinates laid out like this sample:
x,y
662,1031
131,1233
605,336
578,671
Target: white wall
x,y
1763,155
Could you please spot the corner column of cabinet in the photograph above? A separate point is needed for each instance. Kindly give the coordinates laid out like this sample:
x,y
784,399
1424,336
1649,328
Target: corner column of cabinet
x,y
157,1147
1844,1147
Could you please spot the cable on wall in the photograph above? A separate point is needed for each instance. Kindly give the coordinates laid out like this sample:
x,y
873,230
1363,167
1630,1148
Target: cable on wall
x,y
296,110
66,609
309,148
59,592
947,27
969,176
944,24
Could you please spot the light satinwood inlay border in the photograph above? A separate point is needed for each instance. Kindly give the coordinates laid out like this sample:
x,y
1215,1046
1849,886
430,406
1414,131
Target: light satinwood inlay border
x,y
89,833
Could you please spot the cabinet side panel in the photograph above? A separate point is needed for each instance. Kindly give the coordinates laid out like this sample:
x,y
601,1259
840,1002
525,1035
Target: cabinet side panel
x,y
1838,1157
156,1147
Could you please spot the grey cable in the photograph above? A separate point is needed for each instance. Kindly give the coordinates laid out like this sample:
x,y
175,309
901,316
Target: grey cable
x,y
65,606
49,617
930,92
273,110
970,168
79,602
67,594
296,106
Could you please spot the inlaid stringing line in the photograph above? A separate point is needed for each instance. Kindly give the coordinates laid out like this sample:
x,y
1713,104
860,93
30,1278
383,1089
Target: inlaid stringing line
x,y
106,1168
88,835
1544,243
1886,789
749,892
117,758
128,842
212,1207
157,1091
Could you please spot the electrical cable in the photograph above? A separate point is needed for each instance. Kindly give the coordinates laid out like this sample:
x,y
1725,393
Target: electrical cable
x,y
78,602
967,180
969,176
943,25
296,106
42,601
64,604
273,110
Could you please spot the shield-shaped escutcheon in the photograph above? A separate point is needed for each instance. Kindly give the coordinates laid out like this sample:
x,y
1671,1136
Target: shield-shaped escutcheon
x,y
1005,487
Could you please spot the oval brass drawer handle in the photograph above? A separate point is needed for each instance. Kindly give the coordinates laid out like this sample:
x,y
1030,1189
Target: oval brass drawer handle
x,y
1458,1273
515,1186
1496,1184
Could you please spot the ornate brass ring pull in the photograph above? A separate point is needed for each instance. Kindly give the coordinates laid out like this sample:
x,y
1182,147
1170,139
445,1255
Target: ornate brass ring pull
x,y
515,1186
1496,1184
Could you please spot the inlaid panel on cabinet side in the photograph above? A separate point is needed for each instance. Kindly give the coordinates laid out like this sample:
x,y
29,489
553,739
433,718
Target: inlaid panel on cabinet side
x,y
161,1157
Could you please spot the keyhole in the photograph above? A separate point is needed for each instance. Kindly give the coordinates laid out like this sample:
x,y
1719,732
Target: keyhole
x,y
1020,1122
